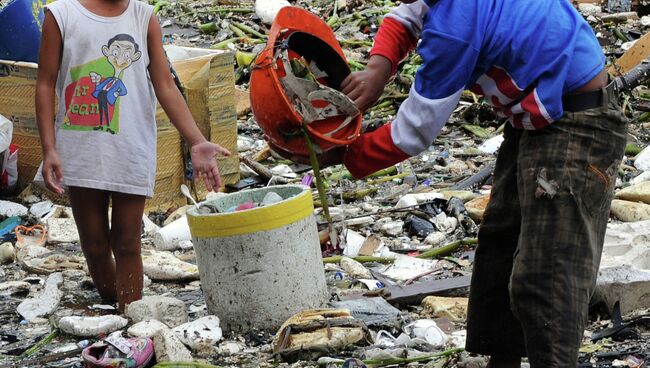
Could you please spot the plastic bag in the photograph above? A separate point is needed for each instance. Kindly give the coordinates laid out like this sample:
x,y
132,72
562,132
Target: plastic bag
x,y
8,156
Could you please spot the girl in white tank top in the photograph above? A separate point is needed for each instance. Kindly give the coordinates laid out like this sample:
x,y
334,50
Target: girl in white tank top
x,y
105,61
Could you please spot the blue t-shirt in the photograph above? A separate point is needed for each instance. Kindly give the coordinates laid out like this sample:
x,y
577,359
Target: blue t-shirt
x,y
522,55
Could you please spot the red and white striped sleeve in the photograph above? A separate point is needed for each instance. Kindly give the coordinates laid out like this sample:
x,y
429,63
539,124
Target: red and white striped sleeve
x,y
399,32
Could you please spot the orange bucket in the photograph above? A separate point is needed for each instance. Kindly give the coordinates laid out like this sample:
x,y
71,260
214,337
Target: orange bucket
x,y
301,36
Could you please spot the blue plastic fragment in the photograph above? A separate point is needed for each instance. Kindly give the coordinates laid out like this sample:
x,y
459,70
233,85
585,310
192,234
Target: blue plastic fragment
x,y
8,225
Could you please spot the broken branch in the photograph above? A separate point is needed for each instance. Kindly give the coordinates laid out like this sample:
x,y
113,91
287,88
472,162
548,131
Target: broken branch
x,y
320,186
447,248
261,170
248,30
54,333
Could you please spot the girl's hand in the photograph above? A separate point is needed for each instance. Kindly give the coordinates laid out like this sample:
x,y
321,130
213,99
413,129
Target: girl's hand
x,y
52,174
205,164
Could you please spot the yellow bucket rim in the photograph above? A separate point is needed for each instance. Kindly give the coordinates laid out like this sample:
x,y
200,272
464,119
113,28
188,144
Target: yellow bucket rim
x,y
254,220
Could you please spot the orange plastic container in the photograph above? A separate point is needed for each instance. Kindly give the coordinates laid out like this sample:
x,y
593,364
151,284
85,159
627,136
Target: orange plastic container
x,y
305,35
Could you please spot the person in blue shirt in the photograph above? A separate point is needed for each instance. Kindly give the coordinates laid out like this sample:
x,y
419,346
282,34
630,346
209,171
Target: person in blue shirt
x,y
538,63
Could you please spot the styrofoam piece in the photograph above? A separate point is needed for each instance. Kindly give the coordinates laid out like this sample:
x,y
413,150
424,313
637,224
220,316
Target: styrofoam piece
x,y
625,267
46,302
91,326
164,266
146,328
283,171
41,209
201,333
588,9
266,10
491,145
170,311
10,209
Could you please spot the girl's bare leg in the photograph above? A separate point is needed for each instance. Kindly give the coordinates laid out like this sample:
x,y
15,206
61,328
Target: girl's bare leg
x,y
126,228
90,209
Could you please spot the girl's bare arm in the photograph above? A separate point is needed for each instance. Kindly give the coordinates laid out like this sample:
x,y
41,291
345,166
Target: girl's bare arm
x,y
48,69
171,100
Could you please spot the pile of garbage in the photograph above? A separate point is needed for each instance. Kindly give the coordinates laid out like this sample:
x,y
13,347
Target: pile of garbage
x,y
397,255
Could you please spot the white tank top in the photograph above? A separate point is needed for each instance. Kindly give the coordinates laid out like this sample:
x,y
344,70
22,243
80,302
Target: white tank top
x,y
105,124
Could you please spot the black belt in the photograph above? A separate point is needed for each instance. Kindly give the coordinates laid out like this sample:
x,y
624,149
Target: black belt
x,y
582,101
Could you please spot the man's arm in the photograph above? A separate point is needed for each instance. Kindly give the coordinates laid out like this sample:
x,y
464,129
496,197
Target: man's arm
x,y
396,37
433,97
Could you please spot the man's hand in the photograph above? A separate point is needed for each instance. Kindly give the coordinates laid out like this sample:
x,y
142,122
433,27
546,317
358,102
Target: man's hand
x,y
52,174
205,164
365,87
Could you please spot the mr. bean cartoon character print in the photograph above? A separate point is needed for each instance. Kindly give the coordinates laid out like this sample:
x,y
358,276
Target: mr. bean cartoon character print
x,y
93,96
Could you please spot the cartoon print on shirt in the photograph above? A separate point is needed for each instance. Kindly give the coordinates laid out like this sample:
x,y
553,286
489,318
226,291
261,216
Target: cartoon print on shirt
x,y
93,96
121,51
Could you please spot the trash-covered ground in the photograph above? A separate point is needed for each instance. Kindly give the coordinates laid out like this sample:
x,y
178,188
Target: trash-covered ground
x,y
397,259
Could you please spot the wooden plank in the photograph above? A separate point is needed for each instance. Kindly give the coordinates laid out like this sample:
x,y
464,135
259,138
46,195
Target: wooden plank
x,y
413,294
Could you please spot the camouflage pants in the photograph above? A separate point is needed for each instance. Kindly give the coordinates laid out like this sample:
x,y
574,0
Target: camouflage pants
x,y
542,236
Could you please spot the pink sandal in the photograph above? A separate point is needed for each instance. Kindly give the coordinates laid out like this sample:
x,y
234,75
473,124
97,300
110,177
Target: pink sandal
x,y
116,352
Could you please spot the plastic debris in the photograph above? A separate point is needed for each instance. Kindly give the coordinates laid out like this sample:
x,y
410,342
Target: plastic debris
x,y
427,330
373,311
61,227
271,198
41,209
418,227
169,237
